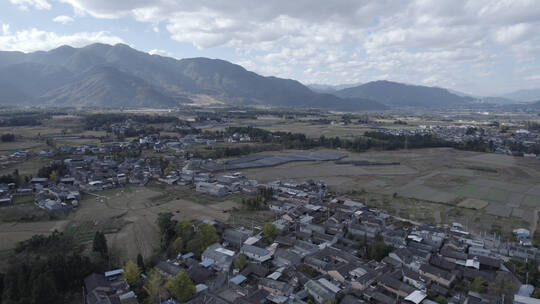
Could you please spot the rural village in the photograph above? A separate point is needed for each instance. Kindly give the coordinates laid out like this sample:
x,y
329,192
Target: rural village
x,y
269,152
320,247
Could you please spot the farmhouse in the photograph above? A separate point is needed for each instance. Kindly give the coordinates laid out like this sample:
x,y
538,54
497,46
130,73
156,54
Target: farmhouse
x,y
256,253
438,275
222,258
212,188
318,291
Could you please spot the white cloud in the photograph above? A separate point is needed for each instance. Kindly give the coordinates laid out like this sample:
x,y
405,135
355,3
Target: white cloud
x,y
533,77
5,29
160,53
37,4
514,33
33,39
63,19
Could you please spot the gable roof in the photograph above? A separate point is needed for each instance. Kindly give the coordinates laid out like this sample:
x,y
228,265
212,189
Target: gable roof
x,y
94,281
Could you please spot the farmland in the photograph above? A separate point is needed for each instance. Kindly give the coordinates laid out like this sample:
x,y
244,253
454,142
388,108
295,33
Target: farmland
x,y
483,191
126,215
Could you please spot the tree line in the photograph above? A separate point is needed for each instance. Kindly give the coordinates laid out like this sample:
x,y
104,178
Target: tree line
x,y
30,118
8,137
96,121
371,140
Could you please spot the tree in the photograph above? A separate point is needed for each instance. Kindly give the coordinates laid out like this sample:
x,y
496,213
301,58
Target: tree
x,y
194,245
2,276
169,168
153,286
166,226
378,249
184,229
178,244
140,262
240,262
181,287
52,176
305,268
44,289
269,232
502,285
132,273
441,300
206,235
477,285
100,244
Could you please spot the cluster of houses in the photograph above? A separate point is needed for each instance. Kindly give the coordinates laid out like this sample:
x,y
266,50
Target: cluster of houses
x,y
108,288
180,144
91,173
126,126
94,168
316,257
499,141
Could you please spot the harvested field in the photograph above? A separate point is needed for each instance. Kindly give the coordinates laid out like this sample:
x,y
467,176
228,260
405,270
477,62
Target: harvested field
x,y
532,201
11,233
428,194
498,210
534,190
501,183
25,167
496,160
472,203
138,209
126,215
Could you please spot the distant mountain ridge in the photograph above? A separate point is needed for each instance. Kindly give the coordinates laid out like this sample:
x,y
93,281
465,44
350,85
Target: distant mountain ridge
x,y
396,94
119,76
528,95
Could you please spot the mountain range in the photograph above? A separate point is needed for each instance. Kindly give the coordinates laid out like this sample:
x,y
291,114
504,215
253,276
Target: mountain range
x,y
101,75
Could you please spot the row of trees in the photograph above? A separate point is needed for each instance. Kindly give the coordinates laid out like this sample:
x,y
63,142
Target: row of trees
x,y
370,140
59,169
260,201
153,288
8,137
97,121
14,177
25,118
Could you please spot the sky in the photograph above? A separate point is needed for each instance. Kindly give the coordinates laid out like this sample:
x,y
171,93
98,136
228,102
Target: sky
x,y
481,47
